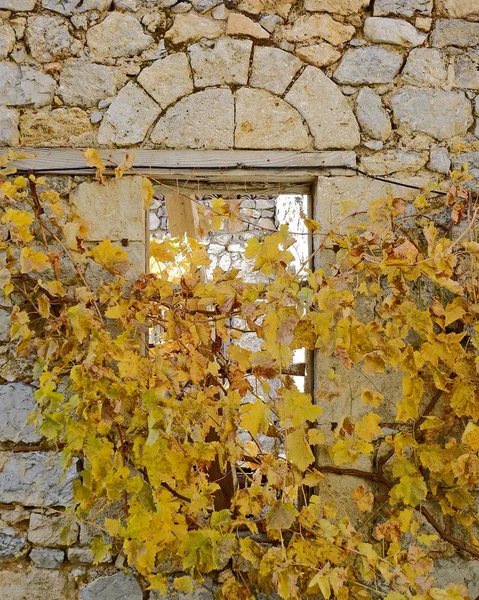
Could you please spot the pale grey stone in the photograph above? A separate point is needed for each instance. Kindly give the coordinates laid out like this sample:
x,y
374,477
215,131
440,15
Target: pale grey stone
x,y
96,117
190,28
440,161
323,106
273,69
338,7
118,35
116,587
264,121
438,113
168,79
181,7
85,84
17,5
402,8
476,105
467,70
11,546
311,27
53,530
455,32
84,556
7,39
270,22
459,571
35,479
372,116
318,55
425,67
392,161
15,516
374,145
204,5
25,86
36,584
16,404
70,7
223,62
9,136
372,64
44,558
129,117
392,31
220,13
49,39
204,120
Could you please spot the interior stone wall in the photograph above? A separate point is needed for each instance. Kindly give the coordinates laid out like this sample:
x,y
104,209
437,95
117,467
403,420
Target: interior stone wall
x,y
395,81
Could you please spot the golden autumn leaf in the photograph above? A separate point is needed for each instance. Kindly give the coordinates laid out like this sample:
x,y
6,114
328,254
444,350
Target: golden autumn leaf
x,y
93,159
363,498
410,491
470,437
18,223
110,257
281,516
298,450
34,260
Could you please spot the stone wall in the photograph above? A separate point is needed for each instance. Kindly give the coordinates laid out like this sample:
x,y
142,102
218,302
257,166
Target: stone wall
x,y
397,81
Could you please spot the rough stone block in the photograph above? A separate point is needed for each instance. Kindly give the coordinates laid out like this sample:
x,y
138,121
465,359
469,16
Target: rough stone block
x,y
85,84
440,114
264,121
392,31
17,5
47,559
370,65
312,27
35,479
168,79
440,161
455,32
52,531
190,28
459,571
11,546
225,62
239,24
23,86
392,161
461,9
49,39
16,404
402,8
37,584
118,35
112,210
9,135
273,69
425,66
7,39
60,127
323,106
338,7
372,116
467,70
116,587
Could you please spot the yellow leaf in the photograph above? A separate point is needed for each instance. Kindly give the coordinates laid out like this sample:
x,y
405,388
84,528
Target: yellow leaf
x,y
371,398
316,437
281,516
100,549
255,417
148,192
368,428
80,318
93,159
470,437
18,223
184,585
298,450
33,260
410,491
363,498
110,257
472,247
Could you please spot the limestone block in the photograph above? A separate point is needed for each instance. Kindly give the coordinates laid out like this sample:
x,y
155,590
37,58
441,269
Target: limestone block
x,y
461,9
17,5
372,64
11,546
273,69
16,404
372,116
60,127
24,86
392,161
440,114
239,24
52,531
256,7
118,35
205,5
328,115
112,210
189,28
476,105
168,79
318,55
85,84
84,556
7,39
35,479
9,135
129,117
49,39
459,571
37,584
467,70
70,7
44,558
311,27
393,31
224,62
264,121
425,67
402,8
204,120
455,32
339,7
440,161
116,587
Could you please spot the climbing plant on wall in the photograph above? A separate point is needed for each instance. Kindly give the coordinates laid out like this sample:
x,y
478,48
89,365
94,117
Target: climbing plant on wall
x,y
203,454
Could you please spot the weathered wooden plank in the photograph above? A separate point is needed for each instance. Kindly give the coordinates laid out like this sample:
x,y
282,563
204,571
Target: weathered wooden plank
x,y
191,163
182,215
